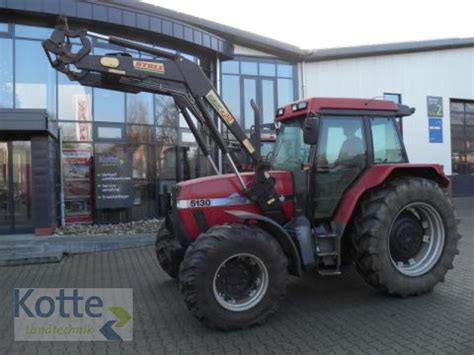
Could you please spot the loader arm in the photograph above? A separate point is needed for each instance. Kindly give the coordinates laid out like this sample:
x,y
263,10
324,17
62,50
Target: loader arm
x,y
170,75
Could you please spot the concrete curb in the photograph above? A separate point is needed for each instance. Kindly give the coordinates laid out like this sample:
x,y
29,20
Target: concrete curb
x,y
28,249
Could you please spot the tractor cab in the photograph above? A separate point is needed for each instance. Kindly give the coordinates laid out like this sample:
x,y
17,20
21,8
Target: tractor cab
x,y
328,142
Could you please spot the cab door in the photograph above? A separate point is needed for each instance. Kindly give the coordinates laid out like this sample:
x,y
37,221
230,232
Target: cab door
x,y
339,158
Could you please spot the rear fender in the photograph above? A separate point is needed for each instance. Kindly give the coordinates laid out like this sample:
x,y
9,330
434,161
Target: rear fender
x,y
279,233
376,176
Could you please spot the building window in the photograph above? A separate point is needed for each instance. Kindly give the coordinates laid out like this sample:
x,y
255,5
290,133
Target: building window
x,y
140,108
462,136
74,100
38,78
6,73
144,126
270,82
106,132
396,98
109,106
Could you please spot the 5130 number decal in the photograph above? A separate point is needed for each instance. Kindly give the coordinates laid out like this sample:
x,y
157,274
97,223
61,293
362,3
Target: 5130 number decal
x,y
199,203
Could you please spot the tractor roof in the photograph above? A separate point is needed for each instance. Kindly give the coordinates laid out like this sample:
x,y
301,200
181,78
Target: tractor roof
x,y
318,105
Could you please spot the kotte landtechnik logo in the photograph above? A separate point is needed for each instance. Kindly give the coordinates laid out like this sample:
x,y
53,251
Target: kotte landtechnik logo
x,y
74,314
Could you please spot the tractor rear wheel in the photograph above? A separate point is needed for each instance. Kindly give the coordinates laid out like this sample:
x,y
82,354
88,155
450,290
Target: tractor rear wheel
x,y
405,236
233,276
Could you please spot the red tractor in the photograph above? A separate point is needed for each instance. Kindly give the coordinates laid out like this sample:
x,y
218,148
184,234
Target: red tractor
x,y
340,190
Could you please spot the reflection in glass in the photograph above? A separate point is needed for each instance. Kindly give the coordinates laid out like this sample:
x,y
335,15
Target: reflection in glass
x,y
6,73
76,131
166,135
139,161
4,211
268,100
74,100
166,162
285,70
108,132
166,112
230,67
250,92
285,91
231,94
267,69
32,32
187,137
109,106
140,134
38,77
249,68
140,108
21,157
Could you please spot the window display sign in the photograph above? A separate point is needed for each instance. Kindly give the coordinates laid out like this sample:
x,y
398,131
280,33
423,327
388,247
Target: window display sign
x,y
435,106
436,130
113,181
77,185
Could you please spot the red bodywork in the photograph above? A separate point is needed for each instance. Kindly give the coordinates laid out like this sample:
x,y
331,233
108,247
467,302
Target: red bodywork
x,y
316,104
212,196
376,175
224,193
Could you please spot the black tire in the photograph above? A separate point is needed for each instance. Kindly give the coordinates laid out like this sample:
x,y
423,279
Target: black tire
x,y
375,221
203,260
169,252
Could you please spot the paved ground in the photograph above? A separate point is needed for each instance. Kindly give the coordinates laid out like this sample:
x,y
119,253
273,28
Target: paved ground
x,y
338,314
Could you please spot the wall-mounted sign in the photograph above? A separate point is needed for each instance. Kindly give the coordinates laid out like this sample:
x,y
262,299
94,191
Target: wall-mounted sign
x,y
113,181
435,106
436,130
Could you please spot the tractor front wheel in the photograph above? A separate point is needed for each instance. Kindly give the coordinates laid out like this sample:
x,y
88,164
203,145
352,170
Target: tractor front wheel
x,y
233,276
405,236
169,252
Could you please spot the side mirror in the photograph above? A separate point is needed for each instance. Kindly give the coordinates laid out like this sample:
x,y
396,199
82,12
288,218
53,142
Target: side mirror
x,y
311,130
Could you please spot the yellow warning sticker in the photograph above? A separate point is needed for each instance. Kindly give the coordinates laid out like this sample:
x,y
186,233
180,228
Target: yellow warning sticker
x,y
220,108
109,62
248,146
116,71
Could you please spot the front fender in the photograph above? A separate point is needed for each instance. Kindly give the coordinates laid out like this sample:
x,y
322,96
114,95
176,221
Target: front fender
x,y
279,233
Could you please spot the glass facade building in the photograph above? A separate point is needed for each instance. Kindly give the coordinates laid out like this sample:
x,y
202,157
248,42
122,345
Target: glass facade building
x,y
92,120
145,127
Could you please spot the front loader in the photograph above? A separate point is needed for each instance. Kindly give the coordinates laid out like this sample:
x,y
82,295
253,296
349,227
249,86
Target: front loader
x,y
341,191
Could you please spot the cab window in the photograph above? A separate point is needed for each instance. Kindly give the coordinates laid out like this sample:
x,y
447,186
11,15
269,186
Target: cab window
x,y
386,143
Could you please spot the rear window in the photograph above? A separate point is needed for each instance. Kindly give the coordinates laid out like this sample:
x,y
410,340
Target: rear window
x,y
387,146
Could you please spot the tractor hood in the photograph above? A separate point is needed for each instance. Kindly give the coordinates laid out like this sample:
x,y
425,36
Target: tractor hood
x,y
203,202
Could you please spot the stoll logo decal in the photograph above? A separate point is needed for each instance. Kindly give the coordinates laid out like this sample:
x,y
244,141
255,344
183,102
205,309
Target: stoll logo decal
x,y
73,314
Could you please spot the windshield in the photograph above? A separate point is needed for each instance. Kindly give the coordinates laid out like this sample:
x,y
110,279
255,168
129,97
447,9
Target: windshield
x,y
267,149
290,150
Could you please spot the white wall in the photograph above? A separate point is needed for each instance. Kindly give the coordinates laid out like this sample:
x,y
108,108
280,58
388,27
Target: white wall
x,y
447,73
239,50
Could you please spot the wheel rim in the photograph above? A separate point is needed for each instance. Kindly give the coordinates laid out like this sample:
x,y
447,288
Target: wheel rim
x,y
416,239
240,282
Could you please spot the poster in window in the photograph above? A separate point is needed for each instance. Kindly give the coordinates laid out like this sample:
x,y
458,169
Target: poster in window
x,y
76,164
82,110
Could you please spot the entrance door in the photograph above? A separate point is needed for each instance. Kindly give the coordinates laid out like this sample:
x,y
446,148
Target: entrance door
x,y
340,158
15,187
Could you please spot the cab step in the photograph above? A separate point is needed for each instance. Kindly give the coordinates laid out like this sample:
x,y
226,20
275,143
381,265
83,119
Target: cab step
x,y
328,254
